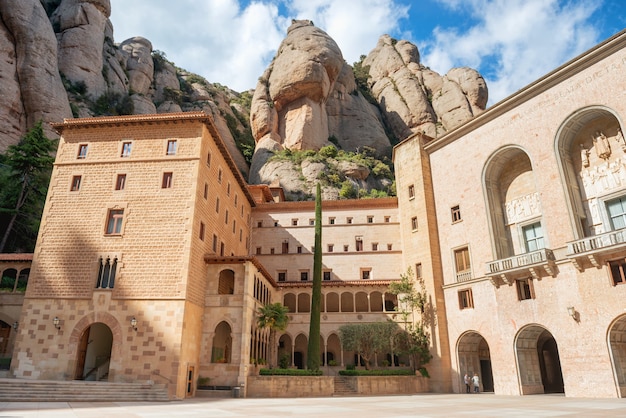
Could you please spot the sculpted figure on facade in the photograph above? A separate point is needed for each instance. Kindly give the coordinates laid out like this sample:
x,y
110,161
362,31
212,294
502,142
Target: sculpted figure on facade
x,y
601,144
620,139
584,155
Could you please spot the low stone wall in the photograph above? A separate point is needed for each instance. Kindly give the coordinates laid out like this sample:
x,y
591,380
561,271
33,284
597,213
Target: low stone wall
x,y
320,386
289,386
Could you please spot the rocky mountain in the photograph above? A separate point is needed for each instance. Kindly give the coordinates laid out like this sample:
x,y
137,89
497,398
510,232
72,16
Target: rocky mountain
x,y
59,60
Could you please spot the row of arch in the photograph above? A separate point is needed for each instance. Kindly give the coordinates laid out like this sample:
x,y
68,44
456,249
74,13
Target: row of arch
x,y
11,281
538,361
359,301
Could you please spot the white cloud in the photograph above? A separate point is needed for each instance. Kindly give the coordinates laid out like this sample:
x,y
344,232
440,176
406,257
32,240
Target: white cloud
x,y
513,42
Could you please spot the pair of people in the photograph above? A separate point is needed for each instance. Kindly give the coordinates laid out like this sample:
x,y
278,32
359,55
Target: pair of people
x,y
473,381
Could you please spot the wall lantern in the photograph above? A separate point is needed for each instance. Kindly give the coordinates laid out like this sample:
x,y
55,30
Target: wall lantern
x,y
56,321
15,325
133,323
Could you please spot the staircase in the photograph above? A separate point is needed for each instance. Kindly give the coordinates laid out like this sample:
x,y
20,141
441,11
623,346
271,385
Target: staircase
x,y
20,390
344,386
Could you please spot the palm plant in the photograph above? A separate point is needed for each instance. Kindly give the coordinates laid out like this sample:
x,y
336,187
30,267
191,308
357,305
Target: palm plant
x,y
273,316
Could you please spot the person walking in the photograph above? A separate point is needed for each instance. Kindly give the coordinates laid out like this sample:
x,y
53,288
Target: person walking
x,y
476,383
467,383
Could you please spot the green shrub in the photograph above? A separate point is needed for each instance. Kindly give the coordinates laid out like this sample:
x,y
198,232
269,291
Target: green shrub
x,y
283,362
329,151
348,190
290,372
382,372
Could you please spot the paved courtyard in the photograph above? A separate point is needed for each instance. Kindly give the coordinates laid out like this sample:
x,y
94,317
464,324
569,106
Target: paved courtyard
x,y
430,405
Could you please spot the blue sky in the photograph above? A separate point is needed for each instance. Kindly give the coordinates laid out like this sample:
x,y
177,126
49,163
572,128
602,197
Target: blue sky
x,y
510,42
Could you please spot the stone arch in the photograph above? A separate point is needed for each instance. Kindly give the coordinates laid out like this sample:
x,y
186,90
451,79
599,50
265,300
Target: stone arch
x,y
285,348
347,302
512,200
94,353
226,282
289,300
376,302
8,279
332,302
300,348
333,349
474,357
221,349
617,351
361,302
304,302
538,362
577,159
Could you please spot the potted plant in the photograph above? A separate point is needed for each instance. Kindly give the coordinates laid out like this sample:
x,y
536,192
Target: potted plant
x,y
203,382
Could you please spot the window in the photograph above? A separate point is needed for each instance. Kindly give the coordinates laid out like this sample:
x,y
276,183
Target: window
x,y
524,289
259,224
414,223
219,176
258,250
465,299
617,212
82,151
120,182
304,275
236,200
294,222
201,234
359,243
228,189
411,191
106,273
285,247
387,219
234,225
326,275
217,205
456,213
374,246
214,243
240,235
275,223
366,273
330,248
617,269
114,221
299,249
370,219
533,237
271,250
172,144
312,222
389,247
345,248
206,191
126,147
208,159
167,181
282,276
75,183
348,220
462,264
418,270
222,249
226,217
331,221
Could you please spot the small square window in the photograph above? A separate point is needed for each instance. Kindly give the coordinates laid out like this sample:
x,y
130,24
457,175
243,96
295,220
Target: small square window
x,y
389,247
271,251
82,151
525,289
618,270
414,223
294,222
387,219
312,222
366,274
126,147
285,247
299,249
115,217
172,144
258,250
411,191
456,213
304,276
370,219
75,183
120,182
201,234
326,275
345,248
348,220
374,246
331,221
358,242
259,224
418,271
282,276
167,181
330,248
466,300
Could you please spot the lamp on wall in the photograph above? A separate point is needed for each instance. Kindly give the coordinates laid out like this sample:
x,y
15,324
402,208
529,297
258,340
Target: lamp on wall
x,y
133,323
573,313
56,322
15,325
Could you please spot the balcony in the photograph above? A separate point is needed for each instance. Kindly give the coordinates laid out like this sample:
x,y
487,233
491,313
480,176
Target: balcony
x,y
593,249
523,265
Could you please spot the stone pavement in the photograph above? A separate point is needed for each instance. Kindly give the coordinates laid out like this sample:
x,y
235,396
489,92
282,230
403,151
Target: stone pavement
x,y
428,405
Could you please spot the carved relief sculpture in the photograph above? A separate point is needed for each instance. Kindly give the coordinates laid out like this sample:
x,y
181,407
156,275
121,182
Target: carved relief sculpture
x,y
584,155
601,144
620,139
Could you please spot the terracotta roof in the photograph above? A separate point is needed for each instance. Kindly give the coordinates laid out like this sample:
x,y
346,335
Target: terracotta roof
x,y
340,283
213,259
16,257
384,202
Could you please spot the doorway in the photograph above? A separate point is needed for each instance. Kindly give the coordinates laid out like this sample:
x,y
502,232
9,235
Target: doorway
x,y
94,353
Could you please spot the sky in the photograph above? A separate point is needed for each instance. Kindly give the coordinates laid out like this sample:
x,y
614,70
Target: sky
x,y
510,42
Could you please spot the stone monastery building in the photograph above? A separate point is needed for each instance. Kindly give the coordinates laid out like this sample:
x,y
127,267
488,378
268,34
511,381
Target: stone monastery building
x,y
154,254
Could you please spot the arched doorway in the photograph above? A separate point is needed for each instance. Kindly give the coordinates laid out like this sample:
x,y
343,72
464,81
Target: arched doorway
x,y
94,353
222,344
299,351
539,365
474,357
617,346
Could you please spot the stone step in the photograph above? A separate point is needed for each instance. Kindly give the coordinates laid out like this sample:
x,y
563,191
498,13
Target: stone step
x,y
343,386
50,391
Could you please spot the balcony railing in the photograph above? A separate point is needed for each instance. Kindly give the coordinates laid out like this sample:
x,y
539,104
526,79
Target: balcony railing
x,y
523,264
464,276
592,247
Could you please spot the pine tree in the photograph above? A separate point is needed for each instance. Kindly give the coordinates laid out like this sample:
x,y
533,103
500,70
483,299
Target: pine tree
x,y
313,355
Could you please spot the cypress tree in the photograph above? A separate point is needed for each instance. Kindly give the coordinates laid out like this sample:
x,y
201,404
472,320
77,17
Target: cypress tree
x,y
313,355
